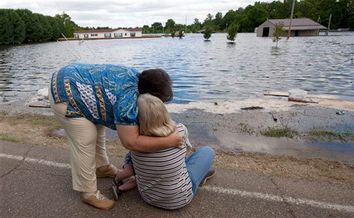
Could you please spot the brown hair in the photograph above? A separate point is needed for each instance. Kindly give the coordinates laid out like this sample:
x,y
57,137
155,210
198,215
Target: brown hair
x,y
157,83
154,119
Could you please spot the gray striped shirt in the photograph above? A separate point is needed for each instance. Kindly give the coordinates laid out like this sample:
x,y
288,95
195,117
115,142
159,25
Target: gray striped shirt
x,y
162,176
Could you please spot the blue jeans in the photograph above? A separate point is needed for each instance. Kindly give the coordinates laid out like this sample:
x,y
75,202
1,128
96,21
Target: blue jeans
x,y
198,165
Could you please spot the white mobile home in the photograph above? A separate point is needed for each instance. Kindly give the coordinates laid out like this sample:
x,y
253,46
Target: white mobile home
x,y
108,33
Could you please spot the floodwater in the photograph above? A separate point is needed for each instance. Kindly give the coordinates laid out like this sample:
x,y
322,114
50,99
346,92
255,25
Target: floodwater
x,y
200,70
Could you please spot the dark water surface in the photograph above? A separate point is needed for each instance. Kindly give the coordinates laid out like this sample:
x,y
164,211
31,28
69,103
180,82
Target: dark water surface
x,y
200,70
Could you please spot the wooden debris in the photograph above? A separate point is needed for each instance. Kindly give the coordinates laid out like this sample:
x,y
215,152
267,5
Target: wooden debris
x,y
252,108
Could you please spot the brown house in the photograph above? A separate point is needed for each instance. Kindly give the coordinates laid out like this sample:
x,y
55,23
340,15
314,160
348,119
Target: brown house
x,y
299,27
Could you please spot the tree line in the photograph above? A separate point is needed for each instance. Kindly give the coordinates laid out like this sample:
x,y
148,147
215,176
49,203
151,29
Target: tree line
x,y
22,26
252,16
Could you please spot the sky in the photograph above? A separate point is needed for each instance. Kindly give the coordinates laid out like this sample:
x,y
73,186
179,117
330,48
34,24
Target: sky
x,y
129,13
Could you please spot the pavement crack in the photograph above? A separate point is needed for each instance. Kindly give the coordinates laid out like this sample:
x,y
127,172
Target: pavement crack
x,y
288,205
18,165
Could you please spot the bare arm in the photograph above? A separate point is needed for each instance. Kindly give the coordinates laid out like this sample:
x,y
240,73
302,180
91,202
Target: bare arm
x,y
131,140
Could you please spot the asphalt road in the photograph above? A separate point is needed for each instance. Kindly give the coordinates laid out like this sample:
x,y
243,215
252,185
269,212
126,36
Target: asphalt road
x,y
36,182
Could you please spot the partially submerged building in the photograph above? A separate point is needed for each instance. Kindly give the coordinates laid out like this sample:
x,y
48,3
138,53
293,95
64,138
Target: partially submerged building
x,y
108,33
299,27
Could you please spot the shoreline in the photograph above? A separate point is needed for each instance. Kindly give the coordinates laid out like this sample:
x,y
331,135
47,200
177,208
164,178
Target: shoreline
x,y
37,130
247,140
271,125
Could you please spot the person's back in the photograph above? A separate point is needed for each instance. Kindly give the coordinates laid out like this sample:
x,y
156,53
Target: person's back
x,y
162,176
100,92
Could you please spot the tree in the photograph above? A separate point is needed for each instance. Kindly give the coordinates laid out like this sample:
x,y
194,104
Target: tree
x,y
196,26
218,21
278,32
146,29
207,33
47,31
6,28
180,34
37,30
232,31
56,33
157,27
208,22
69,26
228,19
18,26
170,27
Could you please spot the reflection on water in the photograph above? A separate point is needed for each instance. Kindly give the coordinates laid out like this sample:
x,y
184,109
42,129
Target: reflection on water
x,y
200,70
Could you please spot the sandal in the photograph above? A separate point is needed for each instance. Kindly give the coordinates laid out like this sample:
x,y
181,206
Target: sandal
x,y
115,188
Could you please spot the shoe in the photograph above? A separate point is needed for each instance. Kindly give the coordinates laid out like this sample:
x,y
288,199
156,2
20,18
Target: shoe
x,y
117,193
106,171
99,201
209,175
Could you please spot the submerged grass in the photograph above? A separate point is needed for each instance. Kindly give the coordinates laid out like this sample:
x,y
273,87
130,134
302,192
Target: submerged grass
x,y
245,128
9,138
279,132
330,135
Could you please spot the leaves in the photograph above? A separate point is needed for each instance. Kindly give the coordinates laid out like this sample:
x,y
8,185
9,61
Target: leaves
x,y
232,31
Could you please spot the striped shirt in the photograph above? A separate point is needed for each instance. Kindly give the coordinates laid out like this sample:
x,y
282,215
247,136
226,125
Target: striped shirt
x,y
162,177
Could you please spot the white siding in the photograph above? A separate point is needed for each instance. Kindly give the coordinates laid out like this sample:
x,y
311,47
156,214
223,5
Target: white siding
x,y
120,33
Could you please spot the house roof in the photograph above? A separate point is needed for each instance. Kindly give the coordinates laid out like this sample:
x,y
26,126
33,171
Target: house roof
x,y
298,23
107,30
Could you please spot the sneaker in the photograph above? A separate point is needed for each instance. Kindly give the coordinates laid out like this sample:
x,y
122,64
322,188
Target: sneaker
x,y
106,171
99,201
209,175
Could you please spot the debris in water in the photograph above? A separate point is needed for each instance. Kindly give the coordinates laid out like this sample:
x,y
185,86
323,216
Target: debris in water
x,y
252,108
215,103
340,112
274,118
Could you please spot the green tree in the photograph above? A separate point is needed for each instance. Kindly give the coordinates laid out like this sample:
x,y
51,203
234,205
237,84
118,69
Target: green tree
x,y
69,26
37,34
278,32
6,28
170,27
47,30
196,26
56,33
208,22
146,29
207,33
232,32
27,17
229,18
19,29
180,34
157,27
218,21
256,15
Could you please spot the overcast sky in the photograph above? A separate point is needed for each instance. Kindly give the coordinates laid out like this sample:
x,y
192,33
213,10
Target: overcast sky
x,y
128,13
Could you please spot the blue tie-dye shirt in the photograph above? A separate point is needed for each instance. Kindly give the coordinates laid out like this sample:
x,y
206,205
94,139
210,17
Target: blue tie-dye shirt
x,y
104,94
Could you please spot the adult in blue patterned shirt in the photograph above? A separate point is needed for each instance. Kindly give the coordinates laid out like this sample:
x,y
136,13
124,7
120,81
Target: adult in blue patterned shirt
x,y
86,98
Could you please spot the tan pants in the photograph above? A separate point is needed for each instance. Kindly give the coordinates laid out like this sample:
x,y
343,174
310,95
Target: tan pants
x,y
87,146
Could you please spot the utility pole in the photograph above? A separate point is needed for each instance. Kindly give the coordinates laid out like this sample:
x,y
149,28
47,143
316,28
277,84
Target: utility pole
x,y
329,23
291,18
185,25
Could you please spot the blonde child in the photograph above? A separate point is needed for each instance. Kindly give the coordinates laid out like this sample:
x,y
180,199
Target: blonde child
x,y
166,178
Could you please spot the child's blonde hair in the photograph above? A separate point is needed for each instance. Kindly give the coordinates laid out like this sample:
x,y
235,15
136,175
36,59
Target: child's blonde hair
x,y
154,119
